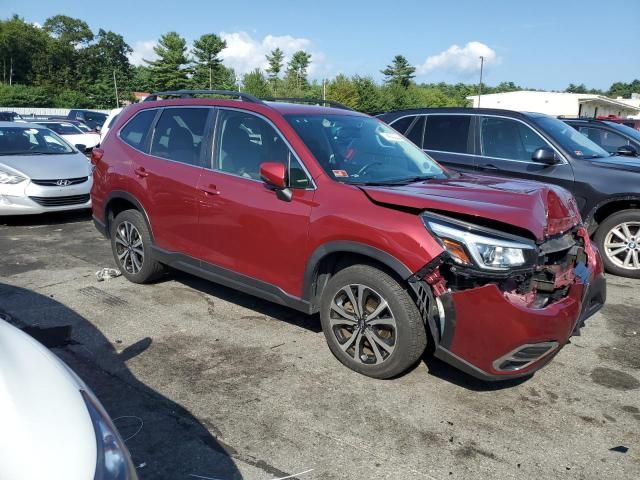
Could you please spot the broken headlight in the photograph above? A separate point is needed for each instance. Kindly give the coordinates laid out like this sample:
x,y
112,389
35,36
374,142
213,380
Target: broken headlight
x,y
475,246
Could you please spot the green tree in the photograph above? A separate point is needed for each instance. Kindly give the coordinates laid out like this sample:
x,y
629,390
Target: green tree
x,y
624,90
257,84
102,60
399,72
24,51
296,76
369,95
24,96
171,70
69,30
276,63
343,90
208,68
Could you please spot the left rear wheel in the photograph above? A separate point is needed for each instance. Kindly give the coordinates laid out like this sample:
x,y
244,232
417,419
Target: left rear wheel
x,y
131,246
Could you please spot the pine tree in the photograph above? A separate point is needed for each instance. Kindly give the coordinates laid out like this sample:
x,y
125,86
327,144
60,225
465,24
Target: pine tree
x,y
170,71
297,70
400,72
208,70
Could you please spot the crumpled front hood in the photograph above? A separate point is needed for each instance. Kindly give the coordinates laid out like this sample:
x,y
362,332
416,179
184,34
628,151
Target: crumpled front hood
x,y
46,428
48,167
542,209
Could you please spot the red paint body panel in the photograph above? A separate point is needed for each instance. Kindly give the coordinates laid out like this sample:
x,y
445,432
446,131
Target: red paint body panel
x,y
488,326
247,229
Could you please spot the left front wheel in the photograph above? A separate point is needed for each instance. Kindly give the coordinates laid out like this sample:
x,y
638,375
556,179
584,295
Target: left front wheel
x,y
131,246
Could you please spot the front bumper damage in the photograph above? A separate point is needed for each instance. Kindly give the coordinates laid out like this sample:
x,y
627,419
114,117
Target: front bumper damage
x,y
500,328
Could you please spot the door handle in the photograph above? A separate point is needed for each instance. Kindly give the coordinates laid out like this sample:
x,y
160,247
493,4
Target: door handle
x,y
141,172
209,190
489,166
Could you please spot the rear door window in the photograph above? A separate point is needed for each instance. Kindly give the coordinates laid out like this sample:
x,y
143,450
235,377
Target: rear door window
x,y
449,133
136,130
179,134
508,139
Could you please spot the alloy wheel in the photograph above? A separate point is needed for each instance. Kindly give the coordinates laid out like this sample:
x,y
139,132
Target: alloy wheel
x,y
363,324
622,245
129,247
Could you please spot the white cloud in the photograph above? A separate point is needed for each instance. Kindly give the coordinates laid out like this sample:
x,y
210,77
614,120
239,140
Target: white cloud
x,y
245,53
142,50
37,25
460,60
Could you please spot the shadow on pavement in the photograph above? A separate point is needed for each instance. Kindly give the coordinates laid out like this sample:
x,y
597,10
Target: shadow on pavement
x,y
50,218
172,443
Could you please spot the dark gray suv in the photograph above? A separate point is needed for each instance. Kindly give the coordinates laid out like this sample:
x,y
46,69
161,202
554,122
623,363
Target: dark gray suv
x,y
539,147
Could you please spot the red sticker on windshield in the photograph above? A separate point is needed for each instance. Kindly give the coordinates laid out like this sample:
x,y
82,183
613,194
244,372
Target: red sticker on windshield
x,y
340,173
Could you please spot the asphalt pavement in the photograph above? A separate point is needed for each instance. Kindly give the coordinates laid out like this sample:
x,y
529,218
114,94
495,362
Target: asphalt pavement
x,y
210,383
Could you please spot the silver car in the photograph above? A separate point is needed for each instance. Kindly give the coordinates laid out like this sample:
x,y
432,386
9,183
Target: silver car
x,y
40,172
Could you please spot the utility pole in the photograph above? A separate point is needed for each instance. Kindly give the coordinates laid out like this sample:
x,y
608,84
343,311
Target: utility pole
x,y
11,71
210,76
324,89
480,86
115,86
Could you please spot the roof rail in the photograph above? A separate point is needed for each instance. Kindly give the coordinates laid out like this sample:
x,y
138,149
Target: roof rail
x,y
309,101
191,93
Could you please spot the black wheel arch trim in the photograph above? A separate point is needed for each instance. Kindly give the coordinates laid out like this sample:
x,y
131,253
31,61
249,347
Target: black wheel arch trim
x,y
591,215
344,246
119,194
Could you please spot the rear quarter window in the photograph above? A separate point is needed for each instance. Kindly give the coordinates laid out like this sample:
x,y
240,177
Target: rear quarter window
x,y
136,130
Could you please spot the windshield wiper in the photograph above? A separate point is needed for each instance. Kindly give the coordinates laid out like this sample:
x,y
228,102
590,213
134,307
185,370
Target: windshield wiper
x,y
399,181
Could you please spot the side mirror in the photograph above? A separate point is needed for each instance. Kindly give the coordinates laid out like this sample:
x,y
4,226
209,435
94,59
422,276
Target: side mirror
x,y
544,155
274,174
627,151
81,147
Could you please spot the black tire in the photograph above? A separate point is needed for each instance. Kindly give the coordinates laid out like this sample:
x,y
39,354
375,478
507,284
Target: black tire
x,y
135,267
614,263
407,339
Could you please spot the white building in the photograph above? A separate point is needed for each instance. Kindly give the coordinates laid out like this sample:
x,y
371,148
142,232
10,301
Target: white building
x,y
554,103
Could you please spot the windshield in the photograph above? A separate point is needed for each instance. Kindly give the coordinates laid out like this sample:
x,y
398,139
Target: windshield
x,y
31,141
631,132
570,139
95,117
63,128
363,150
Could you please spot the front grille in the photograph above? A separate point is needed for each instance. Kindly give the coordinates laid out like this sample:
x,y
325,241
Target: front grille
x,y
61,201
54,183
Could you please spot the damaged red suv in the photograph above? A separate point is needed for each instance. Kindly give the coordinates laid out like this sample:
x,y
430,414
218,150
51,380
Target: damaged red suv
x,y
329,211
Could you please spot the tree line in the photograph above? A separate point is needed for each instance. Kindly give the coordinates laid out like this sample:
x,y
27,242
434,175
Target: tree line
x,y
63,63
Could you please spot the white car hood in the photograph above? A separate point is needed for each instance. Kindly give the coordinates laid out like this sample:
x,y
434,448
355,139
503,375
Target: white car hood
x,y
48,167
46,430
89,140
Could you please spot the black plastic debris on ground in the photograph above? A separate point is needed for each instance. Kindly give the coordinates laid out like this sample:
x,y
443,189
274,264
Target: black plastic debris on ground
x,y
619,449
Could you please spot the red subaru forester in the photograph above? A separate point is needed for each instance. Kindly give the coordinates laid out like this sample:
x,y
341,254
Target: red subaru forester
x,y
329,210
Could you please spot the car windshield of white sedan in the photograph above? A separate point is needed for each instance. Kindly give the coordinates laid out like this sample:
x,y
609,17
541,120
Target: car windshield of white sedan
x,y
31,141
63,128
363,150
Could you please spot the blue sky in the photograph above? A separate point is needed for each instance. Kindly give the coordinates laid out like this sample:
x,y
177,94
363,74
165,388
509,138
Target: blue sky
x,y
539,44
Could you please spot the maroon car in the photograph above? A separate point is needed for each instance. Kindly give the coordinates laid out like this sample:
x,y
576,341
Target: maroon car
x,y
329,211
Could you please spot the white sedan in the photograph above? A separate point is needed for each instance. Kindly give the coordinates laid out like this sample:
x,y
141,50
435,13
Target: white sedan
x,y
73,134
53,426
40,172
